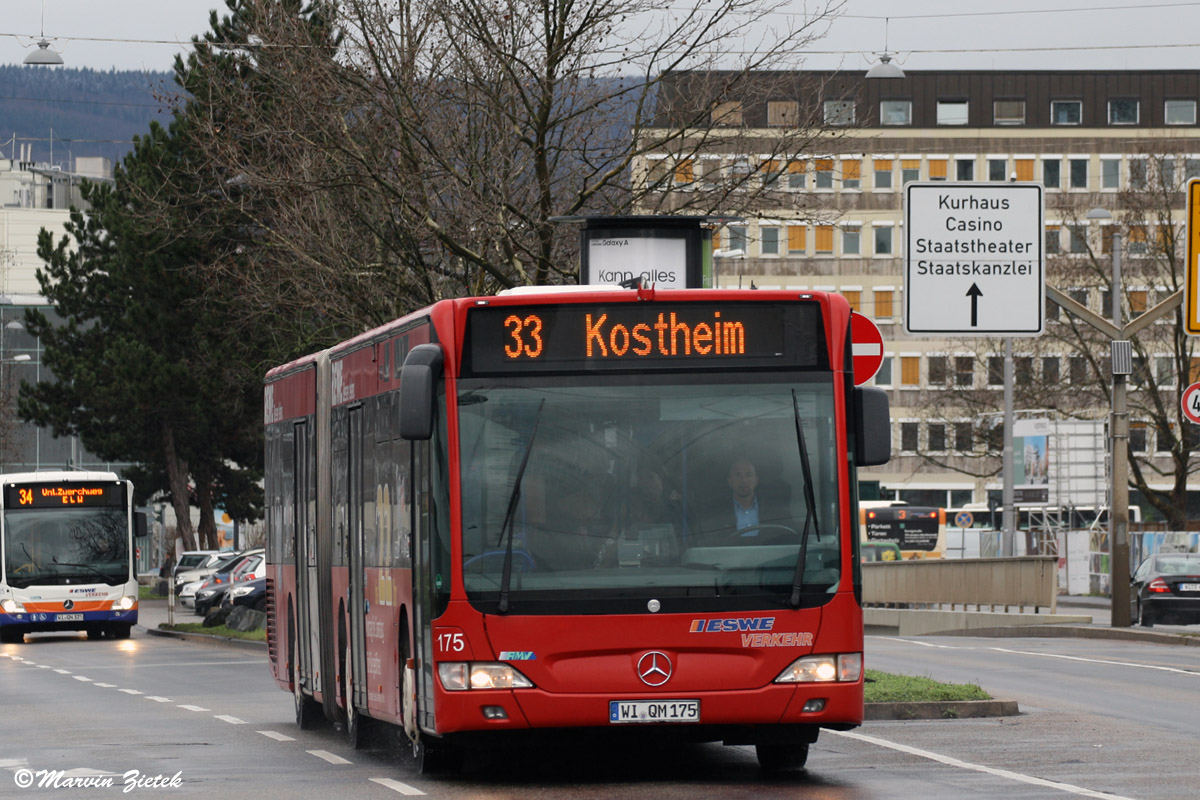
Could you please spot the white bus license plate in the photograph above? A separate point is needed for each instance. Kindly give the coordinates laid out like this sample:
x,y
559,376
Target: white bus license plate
x,y
1189,587
69,618
653,711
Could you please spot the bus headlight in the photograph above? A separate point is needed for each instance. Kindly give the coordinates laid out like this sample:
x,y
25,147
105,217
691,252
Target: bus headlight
x,y
842,667
11,606
459,676
125,603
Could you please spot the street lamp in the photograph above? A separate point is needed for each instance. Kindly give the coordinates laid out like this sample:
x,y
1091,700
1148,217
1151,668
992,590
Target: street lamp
x,y
885,69
45,55
1118,512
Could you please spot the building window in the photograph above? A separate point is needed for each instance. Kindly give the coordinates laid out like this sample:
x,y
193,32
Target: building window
x,y
883,240
1137,302
1179,112
1079,296
853,298
771,169
1079,173
997,169
737,238
796,239
936,432
937,169
1052,173
895,112
768,241
824,168
783,113
910,170
1078,236
909,436
964,169
1137,240
882,300
1110,173
1138,437
1123,112
1066,112
1079,369
1051,311
964,371
824,240
1008,112
1137,173
728,113
851,240
995,371
1050,370
1023,370
797,172
1024,168
685,172
951,112
1053,243
851,173
910,371
884,376
883,173
964,437
936,371
839,112
1164,370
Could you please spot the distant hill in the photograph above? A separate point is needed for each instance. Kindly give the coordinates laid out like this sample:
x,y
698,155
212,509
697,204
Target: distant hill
x,y
86,112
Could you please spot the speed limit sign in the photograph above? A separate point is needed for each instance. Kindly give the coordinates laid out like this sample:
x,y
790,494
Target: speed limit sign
x,y
1191,403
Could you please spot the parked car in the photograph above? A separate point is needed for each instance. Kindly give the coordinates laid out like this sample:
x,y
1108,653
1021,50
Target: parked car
x,y
1166,588
252,593
224,560
209,597
246,567
197,560
219,571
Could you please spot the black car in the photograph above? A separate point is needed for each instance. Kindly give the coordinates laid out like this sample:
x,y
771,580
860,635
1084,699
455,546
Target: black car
x,y
210,597
252,594
1166,588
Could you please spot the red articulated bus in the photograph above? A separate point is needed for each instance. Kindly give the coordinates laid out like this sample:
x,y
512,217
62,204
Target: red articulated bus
x,y
595,509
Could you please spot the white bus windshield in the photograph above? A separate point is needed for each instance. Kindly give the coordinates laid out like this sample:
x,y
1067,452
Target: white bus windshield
x,y
684,489
59,546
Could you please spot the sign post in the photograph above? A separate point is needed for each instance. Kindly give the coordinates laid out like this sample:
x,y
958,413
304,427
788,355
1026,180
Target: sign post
x,y
974,259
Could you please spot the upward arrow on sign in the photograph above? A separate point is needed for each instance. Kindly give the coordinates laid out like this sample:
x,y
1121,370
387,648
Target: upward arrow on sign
x,y
974,293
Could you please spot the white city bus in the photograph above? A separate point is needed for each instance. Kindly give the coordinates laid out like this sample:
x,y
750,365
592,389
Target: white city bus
x,y
67,554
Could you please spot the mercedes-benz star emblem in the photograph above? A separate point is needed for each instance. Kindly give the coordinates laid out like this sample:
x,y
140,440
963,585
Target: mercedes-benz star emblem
x,y
654,668
68,604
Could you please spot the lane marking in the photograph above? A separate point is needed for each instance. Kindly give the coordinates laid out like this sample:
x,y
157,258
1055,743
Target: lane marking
x,y
129,691
157,699
328,756
279,737
63,671
177,665
1000,773
43,666
229,719
402,788
105,685
81,678
1176,670
194,708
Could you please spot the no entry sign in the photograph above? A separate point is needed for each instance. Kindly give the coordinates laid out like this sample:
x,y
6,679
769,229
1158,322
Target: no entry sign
x,y
866,348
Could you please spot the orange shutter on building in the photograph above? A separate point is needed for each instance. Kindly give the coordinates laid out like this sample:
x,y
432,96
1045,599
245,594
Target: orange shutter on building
x,y
797,241
851,169
1024,169
910,371
854,299
685,171
883,303
824,239
937,168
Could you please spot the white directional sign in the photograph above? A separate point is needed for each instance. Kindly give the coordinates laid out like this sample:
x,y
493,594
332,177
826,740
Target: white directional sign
x,y
974,259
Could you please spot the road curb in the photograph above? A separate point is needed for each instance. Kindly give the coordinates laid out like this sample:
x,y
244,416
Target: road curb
x,y
1078,632
207,638
945,709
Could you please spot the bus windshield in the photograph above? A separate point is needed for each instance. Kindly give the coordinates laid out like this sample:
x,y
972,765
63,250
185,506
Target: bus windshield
x,y
603,496
57,546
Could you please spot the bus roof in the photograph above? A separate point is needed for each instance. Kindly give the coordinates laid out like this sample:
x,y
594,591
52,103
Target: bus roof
x,y
57,476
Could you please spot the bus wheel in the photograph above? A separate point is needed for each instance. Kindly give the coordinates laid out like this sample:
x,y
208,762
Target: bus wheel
x,y
11,636
776,757
307,710
354,722
120,630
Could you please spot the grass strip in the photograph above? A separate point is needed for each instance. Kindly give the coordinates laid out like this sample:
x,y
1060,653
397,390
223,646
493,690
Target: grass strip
x,y
259,635
884,687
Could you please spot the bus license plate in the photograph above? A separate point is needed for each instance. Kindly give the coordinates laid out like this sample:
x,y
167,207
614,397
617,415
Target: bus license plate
x,y
653,711
69,618
1189,587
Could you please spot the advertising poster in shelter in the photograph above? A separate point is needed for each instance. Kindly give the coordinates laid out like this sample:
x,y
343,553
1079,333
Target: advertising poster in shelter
x,y
1031,462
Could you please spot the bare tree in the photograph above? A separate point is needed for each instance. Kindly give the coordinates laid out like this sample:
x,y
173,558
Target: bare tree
x,y
379,155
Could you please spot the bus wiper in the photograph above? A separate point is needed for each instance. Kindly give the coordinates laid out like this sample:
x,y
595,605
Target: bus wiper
x,y
510,512
103,575
810,500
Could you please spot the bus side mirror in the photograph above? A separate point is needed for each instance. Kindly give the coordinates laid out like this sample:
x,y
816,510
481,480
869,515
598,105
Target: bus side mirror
x,y
873,436
418,386
141,525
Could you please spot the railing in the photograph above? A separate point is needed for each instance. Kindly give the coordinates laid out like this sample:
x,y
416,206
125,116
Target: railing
x,y
981,582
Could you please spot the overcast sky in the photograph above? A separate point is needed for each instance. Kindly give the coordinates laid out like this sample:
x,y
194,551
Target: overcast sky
x,y
1128,34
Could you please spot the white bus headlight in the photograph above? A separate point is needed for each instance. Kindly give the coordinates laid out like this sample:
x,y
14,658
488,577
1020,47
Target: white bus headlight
x,y
459,676
842,667
124,604
11,606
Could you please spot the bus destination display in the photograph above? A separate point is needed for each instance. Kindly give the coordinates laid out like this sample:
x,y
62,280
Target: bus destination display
x,y
57,495
633,335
